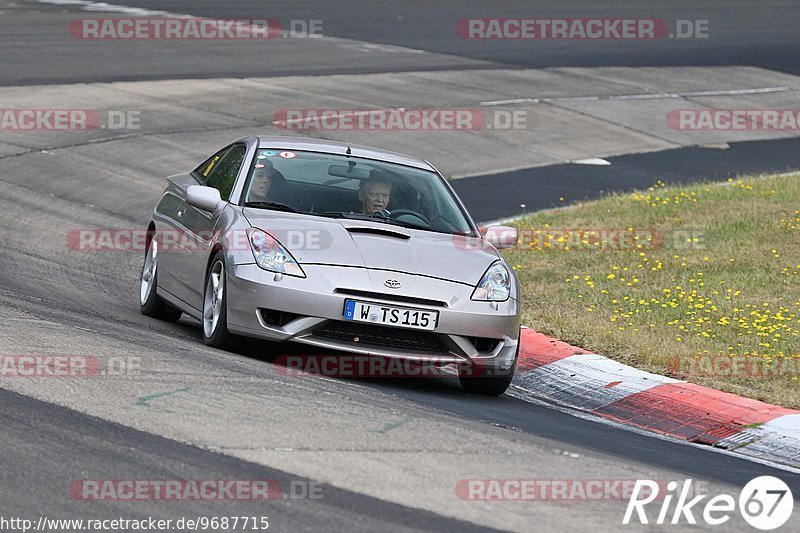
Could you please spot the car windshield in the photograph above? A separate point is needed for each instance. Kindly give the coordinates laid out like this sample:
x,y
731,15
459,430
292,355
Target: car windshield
x,y
350,187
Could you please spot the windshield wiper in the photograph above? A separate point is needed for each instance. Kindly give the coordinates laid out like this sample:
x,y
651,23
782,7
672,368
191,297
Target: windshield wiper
x,y
275,206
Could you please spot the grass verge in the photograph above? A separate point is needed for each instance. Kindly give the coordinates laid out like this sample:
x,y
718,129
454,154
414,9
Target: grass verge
x,y
700,282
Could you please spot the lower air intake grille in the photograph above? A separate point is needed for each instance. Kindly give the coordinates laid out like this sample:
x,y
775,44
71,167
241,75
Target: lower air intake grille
x,y
276,318
423,341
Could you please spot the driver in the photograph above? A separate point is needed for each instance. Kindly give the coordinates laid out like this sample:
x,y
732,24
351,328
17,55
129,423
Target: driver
x,y
374,192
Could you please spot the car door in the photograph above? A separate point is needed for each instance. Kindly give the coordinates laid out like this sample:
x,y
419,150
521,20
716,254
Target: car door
x,y
166,222
199,224
173,228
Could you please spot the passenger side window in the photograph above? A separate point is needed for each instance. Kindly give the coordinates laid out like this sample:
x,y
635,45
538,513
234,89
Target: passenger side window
x,y
223,173
204,170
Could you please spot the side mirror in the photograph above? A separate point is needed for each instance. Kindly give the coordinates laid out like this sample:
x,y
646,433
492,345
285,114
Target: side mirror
x,y
501,236
202,197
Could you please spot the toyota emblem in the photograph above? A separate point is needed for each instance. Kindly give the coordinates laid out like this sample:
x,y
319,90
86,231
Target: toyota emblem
x,y
392,283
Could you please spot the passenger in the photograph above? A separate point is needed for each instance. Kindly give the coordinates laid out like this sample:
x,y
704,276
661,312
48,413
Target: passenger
x,y
265,178
374,193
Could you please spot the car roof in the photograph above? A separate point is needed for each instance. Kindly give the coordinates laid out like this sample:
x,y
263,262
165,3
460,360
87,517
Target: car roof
x,y
340,148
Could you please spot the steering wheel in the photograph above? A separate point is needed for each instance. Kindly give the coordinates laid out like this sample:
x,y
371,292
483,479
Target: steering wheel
x,y
397,213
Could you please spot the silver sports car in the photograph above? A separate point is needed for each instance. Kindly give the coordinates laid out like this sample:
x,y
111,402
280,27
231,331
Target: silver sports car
x,y
342,247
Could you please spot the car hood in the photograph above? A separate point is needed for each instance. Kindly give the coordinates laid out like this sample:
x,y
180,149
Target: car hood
x,y
329,241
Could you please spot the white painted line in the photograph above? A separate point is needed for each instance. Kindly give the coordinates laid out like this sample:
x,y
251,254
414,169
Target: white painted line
x,y
641,96
360,46
715,146
88,5
592,161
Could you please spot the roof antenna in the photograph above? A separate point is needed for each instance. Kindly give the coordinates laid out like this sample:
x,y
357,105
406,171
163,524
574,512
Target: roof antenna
x,y
348,151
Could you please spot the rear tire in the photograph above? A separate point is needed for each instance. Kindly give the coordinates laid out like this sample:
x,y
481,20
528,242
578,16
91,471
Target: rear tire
x,y
150,303
215,307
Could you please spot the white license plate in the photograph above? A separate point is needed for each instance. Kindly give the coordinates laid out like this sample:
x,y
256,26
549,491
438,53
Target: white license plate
x,y
390,315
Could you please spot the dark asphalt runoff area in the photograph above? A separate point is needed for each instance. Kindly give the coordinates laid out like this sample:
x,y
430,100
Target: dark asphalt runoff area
x,y
544,187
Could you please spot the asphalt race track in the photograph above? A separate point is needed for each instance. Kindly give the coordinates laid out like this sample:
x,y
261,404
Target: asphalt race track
x,y
386,455
760,34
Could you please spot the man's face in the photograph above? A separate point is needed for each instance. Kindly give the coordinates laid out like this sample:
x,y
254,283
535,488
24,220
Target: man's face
x,y
375,197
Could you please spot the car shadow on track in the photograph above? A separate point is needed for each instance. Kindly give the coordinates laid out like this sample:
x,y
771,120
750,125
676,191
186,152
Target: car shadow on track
x,y
310,362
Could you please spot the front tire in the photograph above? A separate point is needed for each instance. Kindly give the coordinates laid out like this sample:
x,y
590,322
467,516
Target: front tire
x,y
486,385
150,304
215,308
493,382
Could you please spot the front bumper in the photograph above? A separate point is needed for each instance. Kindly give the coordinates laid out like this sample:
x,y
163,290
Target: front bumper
x,y
309,310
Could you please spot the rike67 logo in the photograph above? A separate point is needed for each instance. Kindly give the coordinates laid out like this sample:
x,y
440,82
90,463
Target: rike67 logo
x,y
766,503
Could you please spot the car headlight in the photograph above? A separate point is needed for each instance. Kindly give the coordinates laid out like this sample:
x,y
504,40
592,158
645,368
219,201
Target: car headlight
x,y
495,285
270,255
